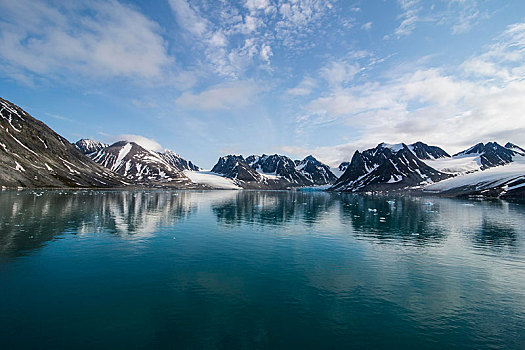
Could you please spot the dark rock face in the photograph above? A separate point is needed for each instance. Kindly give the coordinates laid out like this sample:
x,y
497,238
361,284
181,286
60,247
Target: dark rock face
x,y
515,148
33,155
343,166
274,171
491,154
87,146
235,167
386,168
138,165
177,161
315,171
424,151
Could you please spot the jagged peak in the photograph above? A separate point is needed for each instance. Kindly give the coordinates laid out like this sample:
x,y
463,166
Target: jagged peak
x,y
514,147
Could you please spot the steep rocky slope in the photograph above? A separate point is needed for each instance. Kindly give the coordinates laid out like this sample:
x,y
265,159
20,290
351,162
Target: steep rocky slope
x,y
33,155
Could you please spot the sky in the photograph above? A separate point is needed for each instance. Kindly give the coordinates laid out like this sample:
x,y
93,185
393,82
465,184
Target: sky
x,y
296,77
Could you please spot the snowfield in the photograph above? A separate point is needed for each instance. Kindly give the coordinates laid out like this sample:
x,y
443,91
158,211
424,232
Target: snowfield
x,y
457,164
488,178
211,179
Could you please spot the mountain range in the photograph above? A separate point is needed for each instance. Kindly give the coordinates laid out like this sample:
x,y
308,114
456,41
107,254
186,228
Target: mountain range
x,y
33,155
483,169
274,171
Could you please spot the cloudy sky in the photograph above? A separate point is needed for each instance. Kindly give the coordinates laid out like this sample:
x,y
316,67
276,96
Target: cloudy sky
x,y
324,77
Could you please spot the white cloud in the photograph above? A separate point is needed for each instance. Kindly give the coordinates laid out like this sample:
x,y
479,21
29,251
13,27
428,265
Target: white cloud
x,y
227,96
338,72
96,38
367,26
453,109
304,88
266,53
409,16
145,142
464,15
254,5
188,18
236,41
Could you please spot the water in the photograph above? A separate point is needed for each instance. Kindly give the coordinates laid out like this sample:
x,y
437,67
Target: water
x,y
227,269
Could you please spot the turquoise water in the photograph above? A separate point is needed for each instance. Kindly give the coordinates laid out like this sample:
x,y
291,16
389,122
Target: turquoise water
x,y
228,270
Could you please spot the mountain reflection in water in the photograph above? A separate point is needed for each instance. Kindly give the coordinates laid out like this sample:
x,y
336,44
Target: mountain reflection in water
x,y
31,218
259,269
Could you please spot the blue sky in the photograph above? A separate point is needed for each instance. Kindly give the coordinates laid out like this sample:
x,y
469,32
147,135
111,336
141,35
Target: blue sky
x,y
297,77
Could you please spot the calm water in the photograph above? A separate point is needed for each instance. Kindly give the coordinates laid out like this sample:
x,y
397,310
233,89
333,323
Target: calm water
x,y
227,269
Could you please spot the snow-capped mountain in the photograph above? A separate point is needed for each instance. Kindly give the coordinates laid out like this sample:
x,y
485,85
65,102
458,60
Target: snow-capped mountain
x,y
88,146
273,171
138,165
33,155
177,161
317,172
280,166
390,167
235,167
500,181
424,151
490,154
476,158
515,148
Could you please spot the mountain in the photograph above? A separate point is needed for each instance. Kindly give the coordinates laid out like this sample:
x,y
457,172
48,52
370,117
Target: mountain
x,y
317,172
488,155
243,175
33,155
424,151
280,166
502,181
515,148
138,165
389,167
476,158
343,166
273,171
235,167
87,146
177,161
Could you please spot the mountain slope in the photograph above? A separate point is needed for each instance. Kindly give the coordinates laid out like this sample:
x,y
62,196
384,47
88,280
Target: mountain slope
x,y
87,146
515,148
501,181
490,154
315,171
33,155
389,167
177,161
478,157
424,151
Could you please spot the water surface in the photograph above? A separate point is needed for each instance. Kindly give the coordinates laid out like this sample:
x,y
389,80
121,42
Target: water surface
x,y
248,269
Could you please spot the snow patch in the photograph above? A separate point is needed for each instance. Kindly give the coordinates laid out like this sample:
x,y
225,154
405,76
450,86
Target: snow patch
x,y
18,167
211,179
394,147
121,154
